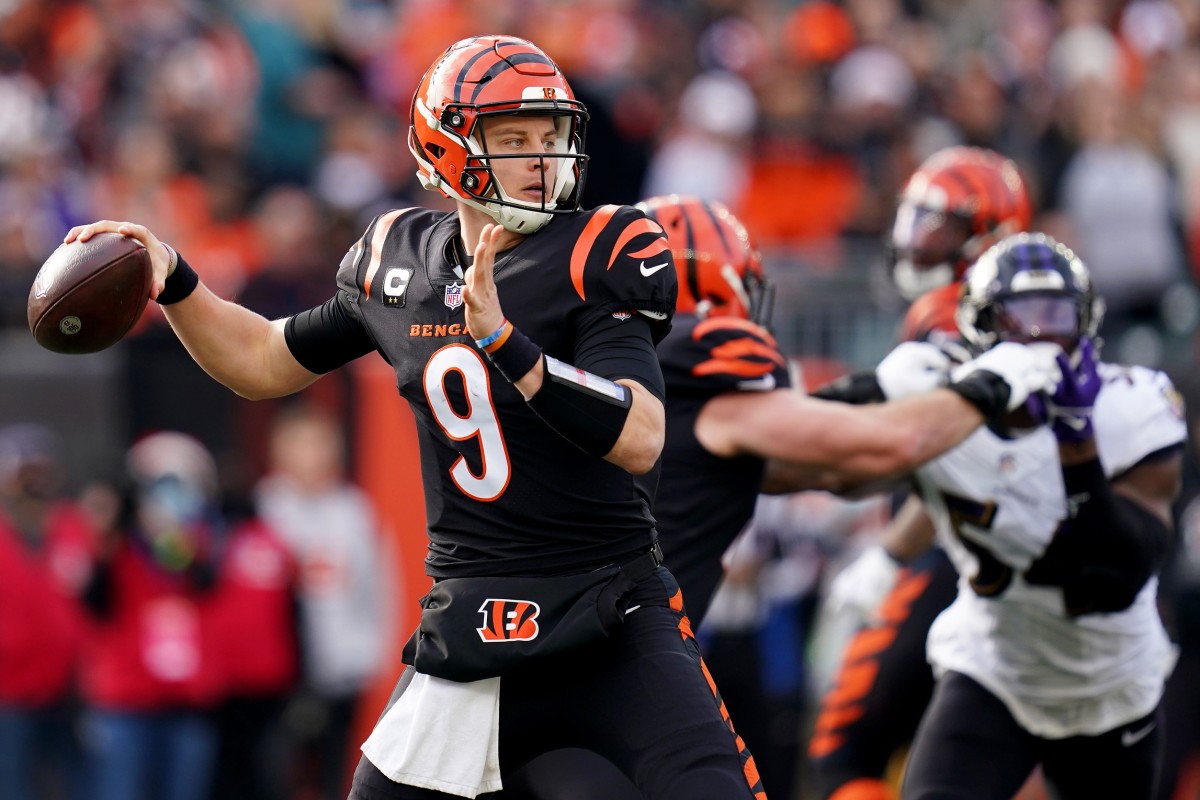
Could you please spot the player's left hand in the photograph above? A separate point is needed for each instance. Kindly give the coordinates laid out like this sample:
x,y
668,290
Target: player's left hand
x,y
480,301
1069,409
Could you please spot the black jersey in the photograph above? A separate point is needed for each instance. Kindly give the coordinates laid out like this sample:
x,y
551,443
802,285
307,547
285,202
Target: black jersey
x,y
704,500
504,493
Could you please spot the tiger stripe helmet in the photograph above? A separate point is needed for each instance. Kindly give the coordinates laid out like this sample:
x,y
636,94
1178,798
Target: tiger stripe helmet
x,y
718,263
487,76
958,203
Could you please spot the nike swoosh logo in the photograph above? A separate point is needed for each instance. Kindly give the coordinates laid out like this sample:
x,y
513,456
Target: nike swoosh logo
x,y
648,271
764,384
1130,738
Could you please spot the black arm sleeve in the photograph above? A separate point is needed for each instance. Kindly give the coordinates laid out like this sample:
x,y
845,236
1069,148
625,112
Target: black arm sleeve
x,y
1105,552
613,349
328,336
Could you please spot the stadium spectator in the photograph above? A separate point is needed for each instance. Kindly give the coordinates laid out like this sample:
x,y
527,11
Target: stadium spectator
x,y
151,672
45,555
330,527
253,615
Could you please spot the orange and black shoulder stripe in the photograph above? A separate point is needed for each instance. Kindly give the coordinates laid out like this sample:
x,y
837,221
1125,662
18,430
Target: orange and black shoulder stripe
x,y
606,236
372,242
736,347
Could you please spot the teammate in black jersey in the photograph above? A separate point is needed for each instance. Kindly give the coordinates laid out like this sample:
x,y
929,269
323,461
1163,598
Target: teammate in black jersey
x,y
531,369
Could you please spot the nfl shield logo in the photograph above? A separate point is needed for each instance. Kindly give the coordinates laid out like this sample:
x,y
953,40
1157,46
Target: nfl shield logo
x,y
454,295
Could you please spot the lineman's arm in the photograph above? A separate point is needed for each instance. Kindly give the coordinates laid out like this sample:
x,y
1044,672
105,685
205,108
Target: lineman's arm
x,y
830,445
239,348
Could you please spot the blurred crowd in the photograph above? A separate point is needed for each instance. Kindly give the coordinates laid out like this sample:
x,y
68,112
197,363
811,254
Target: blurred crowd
x,y
160,638
260,137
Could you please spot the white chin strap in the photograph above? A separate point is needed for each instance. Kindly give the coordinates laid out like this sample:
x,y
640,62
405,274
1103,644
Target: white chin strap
x,y
913,282
518,220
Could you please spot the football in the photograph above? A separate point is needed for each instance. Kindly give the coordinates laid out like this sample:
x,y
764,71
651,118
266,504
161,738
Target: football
x,y
87,295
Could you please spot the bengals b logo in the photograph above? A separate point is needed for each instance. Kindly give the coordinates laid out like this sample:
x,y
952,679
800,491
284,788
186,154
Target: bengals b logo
x,y
509,620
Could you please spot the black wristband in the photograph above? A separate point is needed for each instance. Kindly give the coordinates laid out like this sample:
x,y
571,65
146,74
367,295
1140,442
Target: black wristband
x,y
516,356
985,390
180,283
585,409
857,388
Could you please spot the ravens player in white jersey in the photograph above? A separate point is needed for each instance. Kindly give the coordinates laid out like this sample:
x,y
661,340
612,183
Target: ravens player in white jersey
x,y
957,204
1053,652
522,333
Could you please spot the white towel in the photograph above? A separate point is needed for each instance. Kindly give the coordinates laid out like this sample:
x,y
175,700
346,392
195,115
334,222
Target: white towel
x,y
441,735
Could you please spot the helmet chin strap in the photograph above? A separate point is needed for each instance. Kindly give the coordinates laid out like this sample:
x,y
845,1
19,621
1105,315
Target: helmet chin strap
x,y
517,219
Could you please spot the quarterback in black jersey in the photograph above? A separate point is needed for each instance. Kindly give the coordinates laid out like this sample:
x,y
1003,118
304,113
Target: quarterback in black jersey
x,y
734,424
533,376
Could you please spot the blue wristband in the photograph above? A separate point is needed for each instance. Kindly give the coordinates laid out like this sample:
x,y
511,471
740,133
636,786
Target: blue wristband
x,y
487,340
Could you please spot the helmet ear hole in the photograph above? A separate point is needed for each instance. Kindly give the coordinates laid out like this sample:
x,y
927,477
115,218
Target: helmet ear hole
x,y
452,118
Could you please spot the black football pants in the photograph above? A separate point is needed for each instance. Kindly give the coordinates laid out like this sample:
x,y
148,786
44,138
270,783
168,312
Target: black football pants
x,y
642,699
969,747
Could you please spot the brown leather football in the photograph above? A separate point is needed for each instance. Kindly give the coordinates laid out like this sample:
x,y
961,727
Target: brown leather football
x,y
89,294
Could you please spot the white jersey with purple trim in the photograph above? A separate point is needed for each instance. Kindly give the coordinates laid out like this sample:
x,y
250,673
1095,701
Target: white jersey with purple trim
x,y
996,504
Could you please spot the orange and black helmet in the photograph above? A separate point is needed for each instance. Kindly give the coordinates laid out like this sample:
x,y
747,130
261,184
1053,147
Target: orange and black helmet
x,y
719,266
960,202
488,76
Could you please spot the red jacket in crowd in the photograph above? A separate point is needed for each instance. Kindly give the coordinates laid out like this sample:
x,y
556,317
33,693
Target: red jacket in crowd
x,y
41,624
